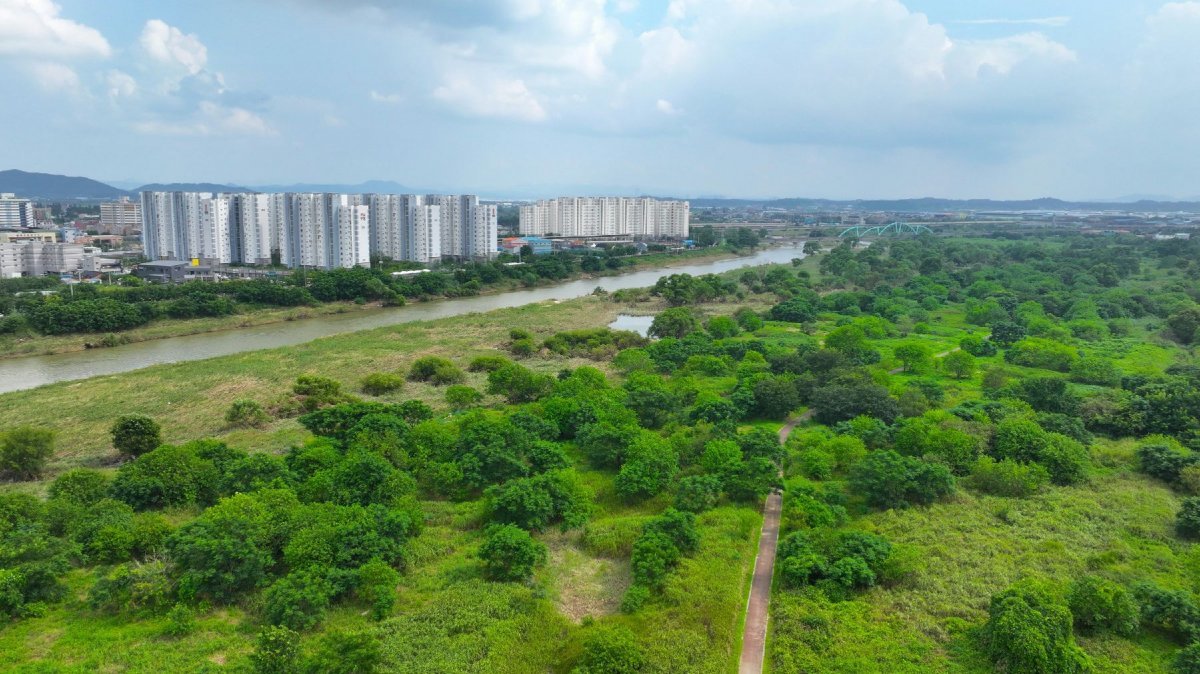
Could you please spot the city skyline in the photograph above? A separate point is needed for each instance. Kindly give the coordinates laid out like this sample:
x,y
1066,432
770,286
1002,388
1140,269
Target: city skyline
x,y
318,230
836,99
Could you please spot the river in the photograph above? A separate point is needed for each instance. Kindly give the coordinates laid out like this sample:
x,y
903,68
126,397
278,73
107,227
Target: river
x,y
18,374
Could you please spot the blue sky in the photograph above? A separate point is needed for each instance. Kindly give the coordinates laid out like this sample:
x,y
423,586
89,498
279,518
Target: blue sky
x,y
1079,99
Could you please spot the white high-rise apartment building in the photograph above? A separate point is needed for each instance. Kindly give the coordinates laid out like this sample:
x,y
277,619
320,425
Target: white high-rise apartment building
x,y
482,233
353,233
422,233
15,211
254,224
607,216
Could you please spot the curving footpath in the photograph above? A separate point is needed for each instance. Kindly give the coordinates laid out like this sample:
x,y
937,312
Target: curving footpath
x,y
754,632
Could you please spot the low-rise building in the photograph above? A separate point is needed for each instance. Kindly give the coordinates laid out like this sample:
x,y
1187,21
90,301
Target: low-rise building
x,y
173,271
35,258
537,244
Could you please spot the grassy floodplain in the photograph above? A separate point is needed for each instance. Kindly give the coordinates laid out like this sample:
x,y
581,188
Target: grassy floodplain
x,y
892,566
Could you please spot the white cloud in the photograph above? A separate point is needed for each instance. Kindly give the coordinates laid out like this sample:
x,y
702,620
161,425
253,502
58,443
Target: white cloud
x,y
391,99
212,119
120,84
501,98
56,77
664,106
168,45
33,28
1046,21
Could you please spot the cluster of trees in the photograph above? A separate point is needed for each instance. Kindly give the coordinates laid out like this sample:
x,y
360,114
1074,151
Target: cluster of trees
x,y
115,308
1030,626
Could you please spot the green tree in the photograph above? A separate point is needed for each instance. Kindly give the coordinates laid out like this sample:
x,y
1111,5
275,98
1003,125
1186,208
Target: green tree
x,y
1187,521
25,451
697,493
915,356
889,480
135,434
298,600
722,327
1098,604
1027,631
510,554
960,364
675,322
651,465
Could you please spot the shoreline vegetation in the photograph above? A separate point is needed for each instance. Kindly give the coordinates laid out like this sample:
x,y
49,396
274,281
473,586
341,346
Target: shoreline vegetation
x,y
995,466
166,328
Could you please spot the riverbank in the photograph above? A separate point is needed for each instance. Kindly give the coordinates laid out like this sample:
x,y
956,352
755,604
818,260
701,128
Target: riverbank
x,y
47,345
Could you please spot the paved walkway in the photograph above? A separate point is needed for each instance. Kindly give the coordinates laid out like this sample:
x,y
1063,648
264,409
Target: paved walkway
x,y
754,633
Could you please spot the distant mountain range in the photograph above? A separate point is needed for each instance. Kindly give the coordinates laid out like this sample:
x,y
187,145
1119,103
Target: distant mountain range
x,y
930,204
51,187
56,188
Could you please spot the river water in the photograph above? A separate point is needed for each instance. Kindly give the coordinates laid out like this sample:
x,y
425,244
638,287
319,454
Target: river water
x,y
17,374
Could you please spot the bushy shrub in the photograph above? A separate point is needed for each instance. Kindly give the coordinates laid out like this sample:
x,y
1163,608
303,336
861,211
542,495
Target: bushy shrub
x,y
181,621
510,554
1187,521
135,434
1066,459
375,586
315,391
889,480
138,588
1028,632
298,600
1008,478
1100,604
650,465
382,383
1164,462
697,493
534,503
276,651
246,413
436,370
518,384
165,477
343,652
487,363
254,472
1187,661
461,397
80,486
1173,611
610,650
25,451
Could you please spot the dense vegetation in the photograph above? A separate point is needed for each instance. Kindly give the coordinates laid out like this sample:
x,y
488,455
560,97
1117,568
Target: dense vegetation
x,y
42,306
995,474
